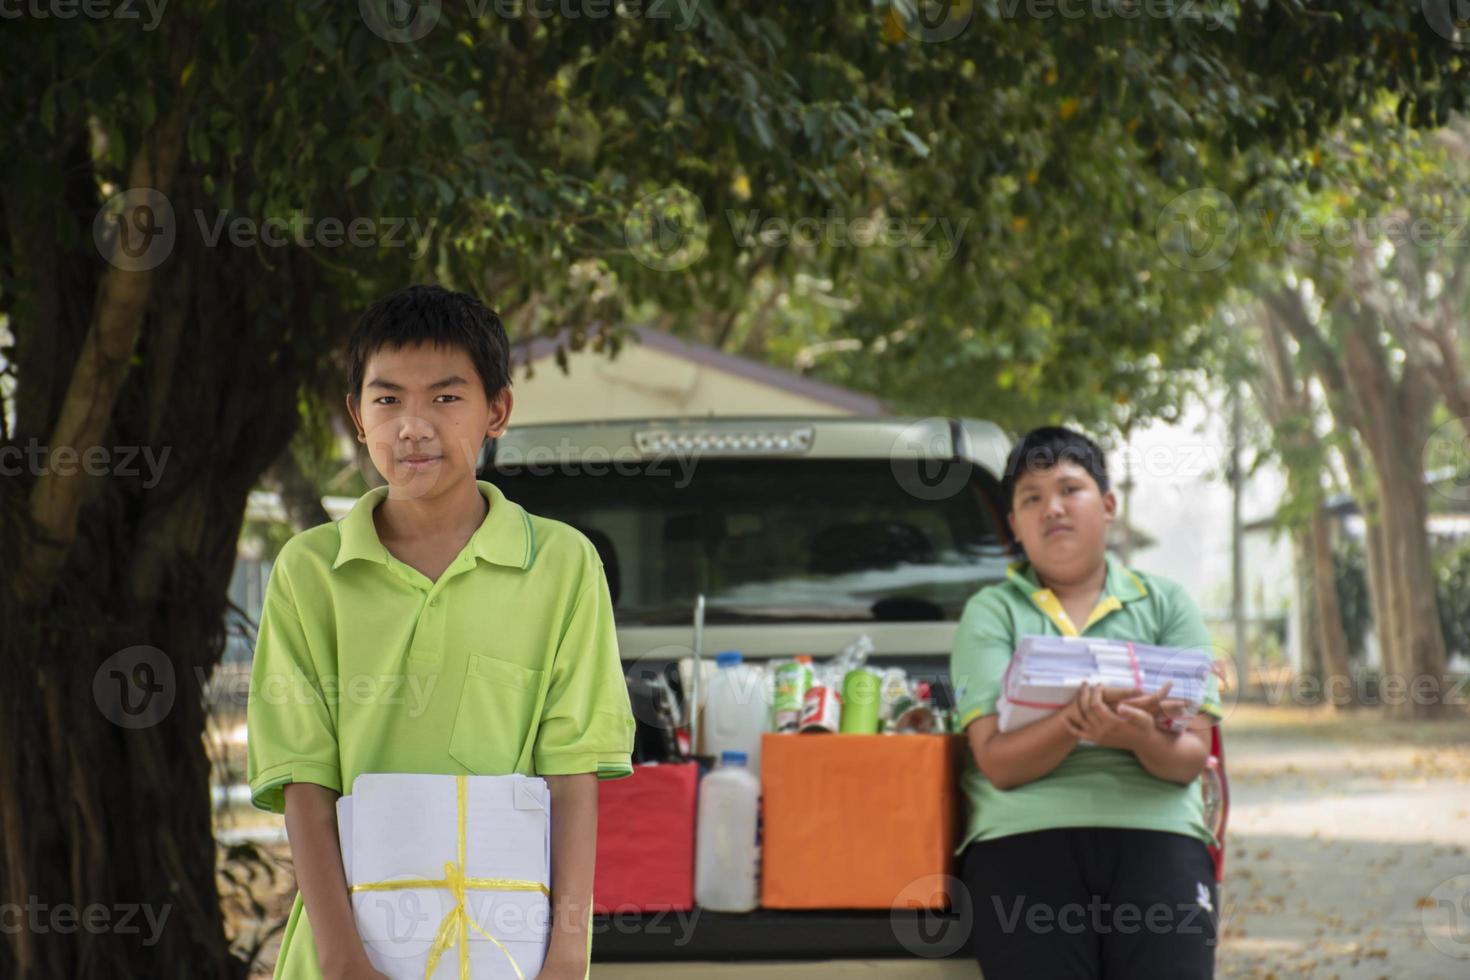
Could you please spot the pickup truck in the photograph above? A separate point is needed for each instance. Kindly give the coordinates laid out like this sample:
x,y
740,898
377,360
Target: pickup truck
x,y
801,533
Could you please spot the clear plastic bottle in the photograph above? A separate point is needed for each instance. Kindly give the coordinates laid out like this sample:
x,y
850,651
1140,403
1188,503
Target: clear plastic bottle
x,y
727,856
736,712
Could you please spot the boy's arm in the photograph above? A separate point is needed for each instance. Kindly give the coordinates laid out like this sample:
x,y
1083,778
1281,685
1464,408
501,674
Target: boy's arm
x,y
983,643
1014,758
311,828
1177,758
585,734
1011,759
573,859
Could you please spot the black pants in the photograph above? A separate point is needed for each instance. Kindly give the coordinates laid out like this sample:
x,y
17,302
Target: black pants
x,y
1092,902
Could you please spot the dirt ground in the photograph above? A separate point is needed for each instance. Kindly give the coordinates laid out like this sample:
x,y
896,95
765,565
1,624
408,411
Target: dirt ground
x,y
1348,858
1349,847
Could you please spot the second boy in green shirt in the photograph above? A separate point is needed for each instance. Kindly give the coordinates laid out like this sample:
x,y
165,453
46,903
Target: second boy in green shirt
x,y
1081,861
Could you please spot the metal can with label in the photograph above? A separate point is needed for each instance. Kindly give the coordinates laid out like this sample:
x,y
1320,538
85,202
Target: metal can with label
x,y
822,711
793,680
895,687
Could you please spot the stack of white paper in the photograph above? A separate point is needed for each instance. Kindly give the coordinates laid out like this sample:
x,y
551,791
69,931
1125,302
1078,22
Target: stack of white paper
x,y
1046,671
399,831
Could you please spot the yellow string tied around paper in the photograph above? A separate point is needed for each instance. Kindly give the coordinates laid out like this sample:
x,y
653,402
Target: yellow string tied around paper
x,y
454,927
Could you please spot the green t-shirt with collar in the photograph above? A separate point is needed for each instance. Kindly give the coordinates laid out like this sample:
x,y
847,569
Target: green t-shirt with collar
x,y
507,664
1093,786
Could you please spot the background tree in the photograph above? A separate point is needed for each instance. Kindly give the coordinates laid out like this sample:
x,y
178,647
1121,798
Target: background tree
x,y
1287,402
1375,312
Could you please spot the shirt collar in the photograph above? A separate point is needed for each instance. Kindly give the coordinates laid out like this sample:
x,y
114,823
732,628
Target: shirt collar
x,y
1120,583
504,538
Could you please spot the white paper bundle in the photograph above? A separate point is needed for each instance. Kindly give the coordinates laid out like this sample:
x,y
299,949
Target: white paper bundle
x,y
1046,671
411,843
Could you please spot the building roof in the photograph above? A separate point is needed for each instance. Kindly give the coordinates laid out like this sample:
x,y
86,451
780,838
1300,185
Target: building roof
x,y
538,348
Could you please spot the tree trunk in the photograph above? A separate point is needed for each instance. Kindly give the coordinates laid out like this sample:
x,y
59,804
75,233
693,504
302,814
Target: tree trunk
x,y
1290,408
1306,606
1331,639
1391,417
299,496
1396,416
1361,482
107,826
1420,666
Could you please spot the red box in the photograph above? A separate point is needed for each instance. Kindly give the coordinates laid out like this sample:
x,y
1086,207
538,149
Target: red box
x,y
645,840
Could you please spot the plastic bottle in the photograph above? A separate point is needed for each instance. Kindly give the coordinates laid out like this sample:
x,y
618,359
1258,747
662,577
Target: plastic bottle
x,y
736,713
727,856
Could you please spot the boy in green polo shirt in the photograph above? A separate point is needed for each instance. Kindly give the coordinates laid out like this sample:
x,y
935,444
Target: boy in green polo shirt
x,y
1081,860
437,628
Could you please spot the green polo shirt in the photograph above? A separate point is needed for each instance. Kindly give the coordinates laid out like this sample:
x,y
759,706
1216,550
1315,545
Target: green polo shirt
x,y
1093,786
507,664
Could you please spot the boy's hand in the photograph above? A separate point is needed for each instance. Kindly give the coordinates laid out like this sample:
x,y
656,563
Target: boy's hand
x,y
1158,705
362,969
564,969
1114,695
1089,717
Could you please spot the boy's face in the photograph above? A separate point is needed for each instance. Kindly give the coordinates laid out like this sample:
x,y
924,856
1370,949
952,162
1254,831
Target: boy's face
x,y
423,413
1061,519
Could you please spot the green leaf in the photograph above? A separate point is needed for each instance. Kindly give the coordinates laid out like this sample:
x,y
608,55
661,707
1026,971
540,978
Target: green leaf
x,y
48,109
920,147
762,129
446,192
147,108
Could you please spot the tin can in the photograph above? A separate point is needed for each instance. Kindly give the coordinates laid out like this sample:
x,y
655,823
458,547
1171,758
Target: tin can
x,y
894,687
822,710
918,718
914,713
793,680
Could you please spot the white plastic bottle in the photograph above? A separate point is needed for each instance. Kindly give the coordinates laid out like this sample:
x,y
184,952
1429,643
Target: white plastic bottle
x,y
726,856
737,710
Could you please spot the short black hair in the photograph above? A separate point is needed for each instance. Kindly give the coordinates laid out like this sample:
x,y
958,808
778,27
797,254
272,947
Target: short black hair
x,y
423,314
1043,448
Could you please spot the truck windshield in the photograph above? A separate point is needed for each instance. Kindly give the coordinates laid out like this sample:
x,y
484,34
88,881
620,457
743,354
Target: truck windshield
x,y
787,540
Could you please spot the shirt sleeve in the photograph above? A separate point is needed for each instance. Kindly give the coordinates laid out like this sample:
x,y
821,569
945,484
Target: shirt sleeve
x,y
1184,628
587,722
291,734
983,644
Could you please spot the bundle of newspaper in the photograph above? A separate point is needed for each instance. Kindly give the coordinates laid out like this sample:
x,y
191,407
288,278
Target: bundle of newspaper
x,y
1046,671
450,875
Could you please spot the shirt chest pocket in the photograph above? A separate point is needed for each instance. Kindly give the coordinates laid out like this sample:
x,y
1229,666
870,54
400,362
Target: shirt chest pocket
x,y
494,720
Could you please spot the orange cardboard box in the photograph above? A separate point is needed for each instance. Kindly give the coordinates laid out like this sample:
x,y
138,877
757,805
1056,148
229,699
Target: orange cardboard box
x,y
859,821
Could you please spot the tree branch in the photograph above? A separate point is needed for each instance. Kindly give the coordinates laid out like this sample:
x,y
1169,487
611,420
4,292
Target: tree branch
x,y
117,319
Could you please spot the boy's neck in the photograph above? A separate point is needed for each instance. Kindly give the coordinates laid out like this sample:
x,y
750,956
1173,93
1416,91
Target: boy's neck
x,y
1086,586
456,513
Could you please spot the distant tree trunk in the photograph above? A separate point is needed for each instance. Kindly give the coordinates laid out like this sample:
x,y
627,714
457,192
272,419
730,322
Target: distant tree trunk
x,y
1391,416
1289,408
1305,603
1397,416
298,493
1366,494
1331,638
